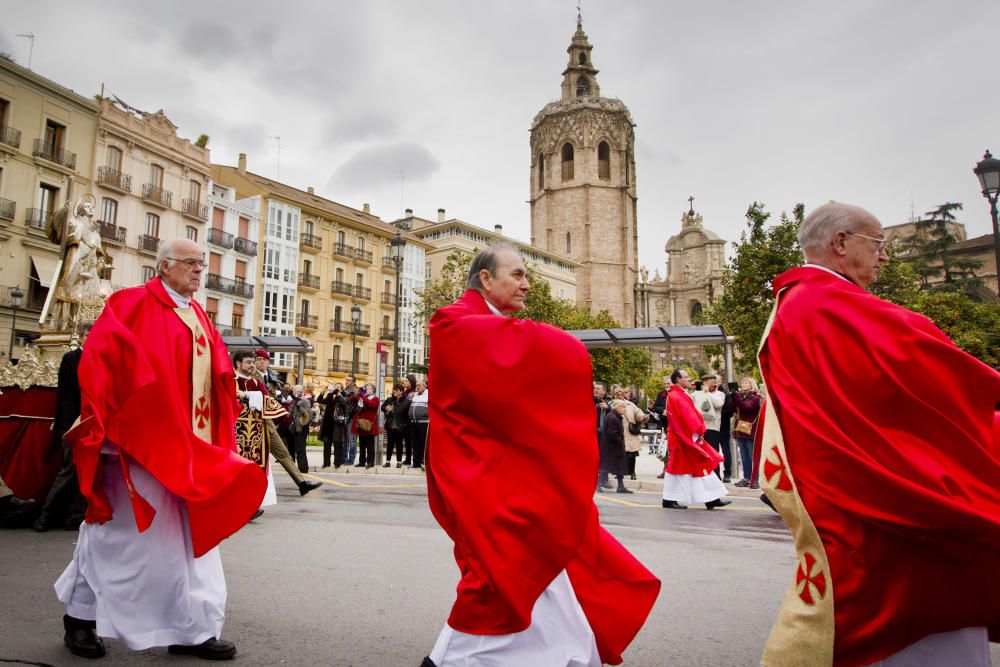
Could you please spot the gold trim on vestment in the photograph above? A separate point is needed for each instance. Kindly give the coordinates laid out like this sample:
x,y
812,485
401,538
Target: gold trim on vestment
x,y
803,632
201,375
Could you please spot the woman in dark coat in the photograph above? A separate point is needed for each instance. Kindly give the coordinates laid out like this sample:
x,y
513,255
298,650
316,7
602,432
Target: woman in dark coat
x,y
393,427
613,461
333,428
368,403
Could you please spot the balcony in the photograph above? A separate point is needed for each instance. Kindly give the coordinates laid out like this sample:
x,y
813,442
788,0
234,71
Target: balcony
x,y
196,210
157,196
36,218
246,246
310,242
10,136
310,362
148,244
7,208
112,233
52,153
388,299
343,250
235,287
309,282
362,293
346,366
344,327
387,333
114,179
363,255
306,321
340,287
220,238
389,264
234,332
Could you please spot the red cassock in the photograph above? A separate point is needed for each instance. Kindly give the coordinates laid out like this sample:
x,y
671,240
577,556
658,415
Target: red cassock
x,y
135,384
887,432
511,480
684,424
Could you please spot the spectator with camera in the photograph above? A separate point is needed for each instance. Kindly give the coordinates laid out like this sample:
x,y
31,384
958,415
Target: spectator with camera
x,y
747,403
365,425
393,427
333,428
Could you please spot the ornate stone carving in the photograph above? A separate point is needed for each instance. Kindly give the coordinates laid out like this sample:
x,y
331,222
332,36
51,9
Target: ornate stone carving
x,y
31,371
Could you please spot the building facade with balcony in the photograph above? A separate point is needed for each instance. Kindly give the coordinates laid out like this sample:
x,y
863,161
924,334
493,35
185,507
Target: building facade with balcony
x,y
231,270
330,258
150,186
46,158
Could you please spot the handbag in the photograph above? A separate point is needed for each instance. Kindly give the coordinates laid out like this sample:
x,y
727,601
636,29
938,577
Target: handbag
x,y
634,428
743,427
364,425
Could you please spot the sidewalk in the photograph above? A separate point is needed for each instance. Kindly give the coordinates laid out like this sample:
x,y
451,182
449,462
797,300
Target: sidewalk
x,y
647,467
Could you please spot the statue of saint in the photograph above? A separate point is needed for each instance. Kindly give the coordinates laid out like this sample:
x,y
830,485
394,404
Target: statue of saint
x,y
78,281
644,272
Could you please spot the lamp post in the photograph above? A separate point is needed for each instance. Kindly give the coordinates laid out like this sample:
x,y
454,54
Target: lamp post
x,y
355,320
398,244
15,302
988,171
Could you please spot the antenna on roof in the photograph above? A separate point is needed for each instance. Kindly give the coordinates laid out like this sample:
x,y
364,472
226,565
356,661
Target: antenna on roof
x,y
31,48
277,175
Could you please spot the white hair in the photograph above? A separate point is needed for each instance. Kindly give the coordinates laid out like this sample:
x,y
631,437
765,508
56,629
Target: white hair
x,y
822,223
164,253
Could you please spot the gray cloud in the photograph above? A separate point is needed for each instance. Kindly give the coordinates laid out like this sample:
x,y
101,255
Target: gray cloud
x,y
378,165
358,126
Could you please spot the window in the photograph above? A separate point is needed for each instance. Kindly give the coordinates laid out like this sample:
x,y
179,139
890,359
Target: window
x,y
359,280
304,309
194,190
272,260
341,238
54,134
287,303
335,354
541,171
215,263
114,158
212,309
156,175
361,243
270,305
569,243
582,86
387,287
385,322
628,165
241,271
583,59
340,275
47,199
237,316
603,160
192,233
307,227
218,218
338,313
695,309
4,105
244,228
109,210
567,162
147,273
307,266
152,225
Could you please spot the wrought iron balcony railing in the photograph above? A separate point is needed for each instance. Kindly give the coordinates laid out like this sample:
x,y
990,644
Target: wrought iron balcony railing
x,y
346,326
52,153
387,333
307,321
236,287
363,255
148,243
346,366
220,238
389,263
343,250
157,196
246,246
194,209
310,362
310,241
363,293
235,332
37,218
114,179
341,287
308,281
112,233
7,209
388,299
10,136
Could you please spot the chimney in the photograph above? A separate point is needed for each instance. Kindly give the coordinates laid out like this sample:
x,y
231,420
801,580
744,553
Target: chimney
x,y
242,165
409,213
366,208
498,229
311,190
440,215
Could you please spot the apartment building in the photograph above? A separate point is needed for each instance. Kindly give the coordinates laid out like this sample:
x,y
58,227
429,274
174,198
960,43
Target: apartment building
x,y
232,260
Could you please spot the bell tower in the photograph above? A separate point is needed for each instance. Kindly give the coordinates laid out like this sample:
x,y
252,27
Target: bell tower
x,y
583,202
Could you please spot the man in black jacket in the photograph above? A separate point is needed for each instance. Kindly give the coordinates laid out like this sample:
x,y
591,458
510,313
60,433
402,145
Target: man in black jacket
x,y
65,504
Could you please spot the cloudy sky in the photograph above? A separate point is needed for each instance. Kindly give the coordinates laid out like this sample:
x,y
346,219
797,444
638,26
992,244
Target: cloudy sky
x,y
884,104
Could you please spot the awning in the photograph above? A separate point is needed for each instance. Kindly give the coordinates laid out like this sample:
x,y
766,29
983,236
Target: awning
x,y
269,343
45,267
709,334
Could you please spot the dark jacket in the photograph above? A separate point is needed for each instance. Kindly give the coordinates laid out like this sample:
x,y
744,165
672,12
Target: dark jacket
x,y
747,409
335,418
403,411
392,421
602,407
660,408
613,445
68,394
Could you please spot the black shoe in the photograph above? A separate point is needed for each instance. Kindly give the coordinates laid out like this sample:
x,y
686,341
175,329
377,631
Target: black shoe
x,y
210,649
370,465
767,501
359,465
81,638
622,489
727,480
399,465
386,464
599,490
718,502
41,524
633,476
306,485
674,505
256,515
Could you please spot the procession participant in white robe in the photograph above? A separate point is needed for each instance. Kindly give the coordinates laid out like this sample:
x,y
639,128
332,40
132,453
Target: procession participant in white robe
x,y
155,453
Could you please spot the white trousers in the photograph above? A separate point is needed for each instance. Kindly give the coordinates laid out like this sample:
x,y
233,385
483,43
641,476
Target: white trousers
x,y
688,489
968,647
145,589
559,636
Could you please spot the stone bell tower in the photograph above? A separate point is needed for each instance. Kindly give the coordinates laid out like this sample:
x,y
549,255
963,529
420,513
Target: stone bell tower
x,y
583,203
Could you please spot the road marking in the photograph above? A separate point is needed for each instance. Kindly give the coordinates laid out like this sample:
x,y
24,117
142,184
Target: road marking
x,y
325,480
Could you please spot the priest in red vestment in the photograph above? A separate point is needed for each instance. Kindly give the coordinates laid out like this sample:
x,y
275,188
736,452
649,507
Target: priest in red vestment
x,y
512,484
688,476
155,452
878,452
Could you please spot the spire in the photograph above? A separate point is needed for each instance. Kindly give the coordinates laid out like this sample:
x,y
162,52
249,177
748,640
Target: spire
x,y
580,77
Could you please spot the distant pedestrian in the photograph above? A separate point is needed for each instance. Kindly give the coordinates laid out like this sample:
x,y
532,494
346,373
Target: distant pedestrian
x,y
301,413
613,461
419,417
747,402
393,427
365,425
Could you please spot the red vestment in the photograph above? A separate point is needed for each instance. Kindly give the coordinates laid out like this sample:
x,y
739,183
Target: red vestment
x,y
136,390
886,428
511,480
685,425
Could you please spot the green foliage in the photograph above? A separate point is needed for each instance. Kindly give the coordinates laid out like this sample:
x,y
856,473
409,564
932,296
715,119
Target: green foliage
x,y
930,251
202,141
762,253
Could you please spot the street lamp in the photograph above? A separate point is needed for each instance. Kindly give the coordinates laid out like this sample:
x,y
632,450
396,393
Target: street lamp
x,y
397,245
355,320
16,295
988,171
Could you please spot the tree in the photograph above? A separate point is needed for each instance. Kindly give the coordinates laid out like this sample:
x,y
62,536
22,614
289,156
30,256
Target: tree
x,y
930,251
202,141
745,305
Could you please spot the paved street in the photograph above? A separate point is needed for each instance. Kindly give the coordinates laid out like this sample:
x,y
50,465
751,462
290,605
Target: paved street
x,y
359,573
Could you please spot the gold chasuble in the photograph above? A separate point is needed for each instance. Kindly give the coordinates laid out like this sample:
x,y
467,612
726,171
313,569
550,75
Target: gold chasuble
x,y
804,629
201,375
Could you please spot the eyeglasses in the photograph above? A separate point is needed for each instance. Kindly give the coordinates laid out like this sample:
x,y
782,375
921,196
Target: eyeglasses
x,y
191,262
879,243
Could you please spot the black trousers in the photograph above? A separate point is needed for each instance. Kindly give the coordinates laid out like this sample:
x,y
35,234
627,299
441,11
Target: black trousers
x,y
712,438
407,445
727,450
64,504
418,437
298,450
366,450
631,457
394,441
